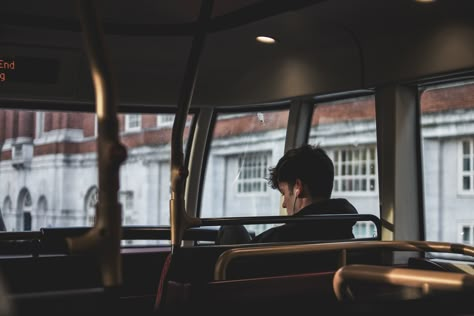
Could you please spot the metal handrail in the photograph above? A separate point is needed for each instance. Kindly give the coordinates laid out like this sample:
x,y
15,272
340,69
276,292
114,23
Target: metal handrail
x,y
164,232
292,219
104,238
222,263
426,281
180,220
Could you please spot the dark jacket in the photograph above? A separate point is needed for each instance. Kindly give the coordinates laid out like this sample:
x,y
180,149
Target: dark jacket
x,y
324,230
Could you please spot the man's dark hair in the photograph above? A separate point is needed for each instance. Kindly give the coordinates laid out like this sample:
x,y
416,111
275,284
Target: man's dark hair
x,y
308,163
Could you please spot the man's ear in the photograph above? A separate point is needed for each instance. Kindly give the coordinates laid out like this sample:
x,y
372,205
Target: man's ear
x,y
298,188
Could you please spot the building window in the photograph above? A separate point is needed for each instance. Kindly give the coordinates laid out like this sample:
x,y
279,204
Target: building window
x,y
128,215
92,197
25,199
466,234
467,170
96,126
252,173
9,215
133,122
126,199
165,120
42,213
25,206
17,152
355,170
364,230
39,124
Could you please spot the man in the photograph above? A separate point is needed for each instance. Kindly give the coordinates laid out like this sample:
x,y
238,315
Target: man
x,y
305,178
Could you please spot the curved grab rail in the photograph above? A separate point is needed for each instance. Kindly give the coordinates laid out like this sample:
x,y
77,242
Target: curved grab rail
x,y
292,219
222,263
180,220
424,280
163,232
104,238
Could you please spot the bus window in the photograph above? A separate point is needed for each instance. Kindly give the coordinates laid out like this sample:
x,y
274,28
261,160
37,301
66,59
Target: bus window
x,y
346,130
145,175
447,121
244,146
49,168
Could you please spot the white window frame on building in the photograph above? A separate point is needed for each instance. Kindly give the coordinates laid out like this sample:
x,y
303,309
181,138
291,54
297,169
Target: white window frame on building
x,y
252,173
466,167
39,128
126,198
9,216
355,170
133,122
164,120
92,198
96,126
466,233
364,229
42,220
25,206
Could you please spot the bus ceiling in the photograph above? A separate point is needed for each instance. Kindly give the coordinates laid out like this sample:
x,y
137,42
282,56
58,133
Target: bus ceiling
x,y
321,47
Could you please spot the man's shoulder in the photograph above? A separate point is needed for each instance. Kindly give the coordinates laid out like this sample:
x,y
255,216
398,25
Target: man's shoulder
x,y
330,206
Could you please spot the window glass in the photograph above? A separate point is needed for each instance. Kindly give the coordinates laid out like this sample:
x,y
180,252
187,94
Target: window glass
x,y
467,172
345,129
9,215
354,170
243,147
51,180
466,234
91,200
132,122
252,172
165,120
39,124
447,120
43,219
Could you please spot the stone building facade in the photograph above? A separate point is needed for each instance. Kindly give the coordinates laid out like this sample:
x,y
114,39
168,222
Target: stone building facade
x,y
48,167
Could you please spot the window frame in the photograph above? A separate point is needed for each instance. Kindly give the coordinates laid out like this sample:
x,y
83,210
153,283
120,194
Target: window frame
x,y
461,172
460,234
39,124
367,227
160,123
91,200
127,127
127,200
262,181
96,125
367,176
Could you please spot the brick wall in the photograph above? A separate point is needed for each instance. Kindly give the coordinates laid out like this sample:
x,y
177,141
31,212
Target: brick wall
x,y
149,121
26,124
455,97
2,126
88,123
355,109
22,123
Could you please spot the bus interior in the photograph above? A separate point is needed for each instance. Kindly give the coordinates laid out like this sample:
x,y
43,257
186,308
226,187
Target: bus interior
x,y
130,132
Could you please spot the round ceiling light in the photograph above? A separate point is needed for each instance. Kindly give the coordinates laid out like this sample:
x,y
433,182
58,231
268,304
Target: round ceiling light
x,y
266,39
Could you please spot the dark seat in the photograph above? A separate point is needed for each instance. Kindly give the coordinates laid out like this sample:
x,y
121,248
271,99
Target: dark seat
x,y
251,296
232,234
